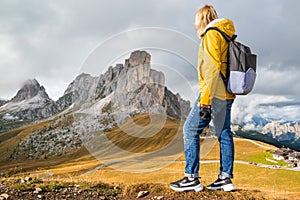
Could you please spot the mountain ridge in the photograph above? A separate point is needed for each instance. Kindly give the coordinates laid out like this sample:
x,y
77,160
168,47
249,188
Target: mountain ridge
x,y
134,74
118,94
105,101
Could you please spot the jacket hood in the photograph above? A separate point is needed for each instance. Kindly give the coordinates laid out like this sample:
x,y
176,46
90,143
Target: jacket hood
x,y
225,25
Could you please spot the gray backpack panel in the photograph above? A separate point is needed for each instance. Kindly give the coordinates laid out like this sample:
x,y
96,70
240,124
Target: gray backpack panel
x,y
241,66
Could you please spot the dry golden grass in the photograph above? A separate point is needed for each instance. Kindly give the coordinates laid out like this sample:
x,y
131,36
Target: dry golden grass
x,y
155,142
275,183
8,143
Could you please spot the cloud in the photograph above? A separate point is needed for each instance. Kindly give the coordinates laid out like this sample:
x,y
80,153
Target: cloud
x,y
256,109
50,40
272,80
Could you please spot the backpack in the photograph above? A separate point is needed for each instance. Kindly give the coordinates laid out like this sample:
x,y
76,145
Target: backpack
x,y
241,66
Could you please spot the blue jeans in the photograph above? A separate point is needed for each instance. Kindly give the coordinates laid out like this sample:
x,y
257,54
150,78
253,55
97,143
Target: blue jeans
x,y
192,129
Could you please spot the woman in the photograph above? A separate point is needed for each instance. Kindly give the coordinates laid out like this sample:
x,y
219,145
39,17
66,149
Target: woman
x,y
211,62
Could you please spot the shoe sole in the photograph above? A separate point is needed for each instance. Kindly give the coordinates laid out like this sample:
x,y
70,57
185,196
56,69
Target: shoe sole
x,y
226,188
197,188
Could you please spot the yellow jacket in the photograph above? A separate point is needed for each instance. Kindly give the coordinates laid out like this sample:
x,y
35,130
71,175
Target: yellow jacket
x,y
212,59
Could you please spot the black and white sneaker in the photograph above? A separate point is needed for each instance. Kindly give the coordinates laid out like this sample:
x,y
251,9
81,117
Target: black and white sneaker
x,y
222,184
186,184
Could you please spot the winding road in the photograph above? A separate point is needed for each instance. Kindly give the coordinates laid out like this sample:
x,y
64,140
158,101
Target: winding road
x,y
182,161
48,174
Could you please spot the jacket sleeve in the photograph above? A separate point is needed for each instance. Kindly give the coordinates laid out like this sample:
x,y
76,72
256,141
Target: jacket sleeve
x,y
210,68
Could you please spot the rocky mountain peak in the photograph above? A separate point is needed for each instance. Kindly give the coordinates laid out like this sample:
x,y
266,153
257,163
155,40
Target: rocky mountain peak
x,y
82,78
30,103
138,58
30,89
282,131
121,92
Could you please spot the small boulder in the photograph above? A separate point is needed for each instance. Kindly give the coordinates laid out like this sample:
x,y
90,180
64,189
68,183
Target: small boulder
x,y
37,190
4,196
142,194
26,179
157,198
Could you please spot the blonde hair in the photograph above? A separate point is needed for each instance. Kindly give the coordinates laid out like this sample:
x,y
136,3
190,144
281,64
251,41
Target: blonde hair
x,y
203,17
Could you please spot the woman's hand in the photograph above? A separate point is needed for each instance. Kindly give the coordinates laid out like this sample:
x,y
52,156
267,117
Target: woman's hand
x,y
205,112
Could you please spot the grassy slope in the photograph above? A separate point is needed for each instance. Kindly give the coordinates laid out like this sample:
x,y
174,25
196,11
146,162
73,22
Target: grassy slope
x,y
276,183
155,142
10,139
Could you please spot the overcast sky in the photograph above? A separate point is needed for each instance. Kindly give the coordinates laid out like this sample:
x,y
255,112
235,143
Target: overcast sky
x,y
50,40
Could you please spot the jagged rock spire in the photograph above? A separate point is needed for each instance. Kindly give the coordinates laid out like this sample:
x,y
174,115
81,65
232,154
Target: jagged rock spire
x,y
29,90
138,58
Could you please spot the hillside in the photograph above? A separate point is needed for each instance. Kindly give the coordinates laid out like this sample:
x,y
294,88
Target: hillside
x,y
118,133
80,167
107,99
254,135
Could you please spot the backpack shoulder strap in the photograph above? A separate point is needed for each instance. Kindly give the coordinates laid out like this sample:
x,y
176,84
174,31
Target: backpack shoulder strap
x,y
227,38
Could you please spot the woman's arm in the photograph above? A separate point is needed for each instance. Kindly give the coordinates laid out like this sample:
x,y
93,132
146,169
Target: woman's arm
x,y
211,66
